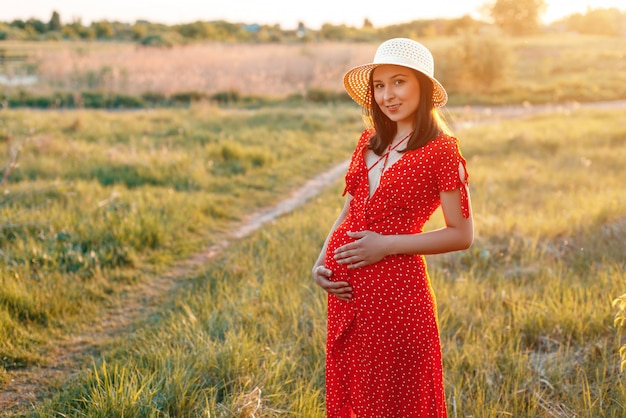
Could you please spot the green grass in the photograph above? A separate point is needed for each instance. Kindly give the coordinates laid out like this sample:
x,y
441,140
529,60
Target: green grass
x,y
525,314
102,201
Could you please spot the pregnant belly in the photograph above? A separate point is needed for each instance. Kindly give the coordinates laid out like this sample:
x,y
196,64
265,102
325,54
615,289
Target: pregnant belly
x,y
338,238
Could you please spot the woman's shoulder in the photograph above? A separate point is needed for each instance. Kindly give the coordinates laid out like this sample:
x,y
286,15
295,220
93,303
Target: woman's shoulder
x,y
367,133
443,140
443,146
365,137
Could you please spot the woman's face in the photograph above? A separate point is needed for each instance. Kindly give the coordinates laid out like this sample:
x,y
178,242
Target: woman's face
x,y
397,93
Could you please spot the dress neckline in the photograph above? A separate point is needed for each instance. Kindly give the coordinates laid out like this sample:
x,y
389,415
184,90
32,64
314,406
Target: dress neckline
x,y
390,167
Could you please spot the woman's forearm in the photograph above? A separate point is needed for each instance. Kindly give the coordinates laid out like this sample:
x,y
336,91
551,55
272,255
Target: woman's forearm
x,y
432,242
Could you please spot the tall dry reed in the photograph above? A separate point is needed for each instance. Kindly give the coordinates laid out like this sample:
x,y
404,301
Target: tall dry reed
x,y
268,70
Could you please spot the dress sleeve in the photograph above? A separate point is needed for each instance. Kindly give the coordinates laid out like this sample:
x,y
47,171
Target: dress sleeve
x,y
355,169
448,174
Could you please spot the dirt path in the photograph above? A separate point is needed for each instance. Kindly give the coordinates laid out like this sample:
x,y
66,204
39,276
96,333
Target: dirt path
x,y
72,353
476,115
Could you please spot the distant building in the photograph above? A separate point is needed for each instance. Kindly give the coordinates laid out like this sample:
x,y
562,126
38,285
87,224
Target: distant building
x,y
301,31
252,28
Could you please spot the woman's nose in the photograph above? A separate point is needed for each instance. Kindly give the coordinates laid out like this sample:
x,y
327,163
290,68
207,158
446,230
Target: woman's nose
x,y
388,93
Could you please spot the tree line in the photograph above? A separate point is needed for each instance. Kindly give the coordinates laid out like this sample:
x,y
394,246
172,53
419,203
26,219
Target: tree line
x,y
511,17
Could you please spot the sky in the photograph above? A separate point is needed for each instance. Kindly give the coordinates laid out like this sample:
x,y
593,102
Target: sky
x,y
286,13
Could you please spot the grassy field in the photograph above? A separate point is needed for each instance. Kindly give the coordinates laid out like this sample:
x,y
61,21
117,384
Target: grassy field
x,y
102,201
543,69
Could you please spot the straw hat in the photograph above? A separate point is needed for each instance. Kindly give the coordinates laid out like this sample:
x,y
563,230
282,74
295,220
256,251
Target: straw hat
x,y
398,51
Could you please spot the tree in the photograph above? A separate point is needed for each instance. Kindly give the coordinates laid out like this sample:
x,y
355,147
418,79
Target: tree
x,y
463,25
476,64
37,25
55,22
197,30
18,23
331,32
517,17
103,29
610,22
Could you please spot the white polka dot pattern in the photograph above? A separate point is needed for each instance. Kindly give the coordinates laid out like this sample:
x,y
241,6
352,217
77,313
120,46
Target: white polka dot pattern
x,y
383,351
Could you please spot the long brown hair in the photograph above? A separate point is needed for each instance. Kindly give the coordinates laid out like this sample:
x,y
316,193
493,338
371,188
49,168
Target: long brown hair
x,y
429,122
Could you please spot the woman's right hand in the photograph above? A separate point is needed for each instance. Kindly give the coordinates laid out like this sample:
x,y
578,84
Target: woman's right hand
x,y
341,290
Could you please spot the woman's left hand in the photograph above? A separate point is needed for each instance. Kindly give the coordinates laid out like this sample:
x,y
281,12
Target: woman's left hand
x,y
368,249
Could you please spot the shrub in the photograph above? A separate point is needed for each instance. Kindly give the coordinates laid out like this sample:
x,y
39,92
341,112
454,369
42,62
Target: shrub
x,y
127,101
317,95
162,40
39,101
226,97
188,97
93,100
476,64
154,98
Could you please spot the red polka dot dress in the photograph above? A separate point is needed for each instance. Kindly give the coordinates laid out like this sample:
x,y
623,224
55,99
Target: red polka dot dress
x,y
383,356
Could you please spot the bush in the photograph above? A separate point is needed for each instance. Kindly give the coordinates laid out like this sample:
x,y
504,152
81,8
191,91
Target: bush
x,y
233,159
188,97
476,64
11,33
162,40
39,101
127,101
154,98
226,97
93,100
317,95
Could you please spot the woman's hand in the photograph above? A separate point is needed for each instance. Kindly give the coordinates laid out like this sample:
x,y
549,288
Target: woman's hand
x,y
369,248
341,290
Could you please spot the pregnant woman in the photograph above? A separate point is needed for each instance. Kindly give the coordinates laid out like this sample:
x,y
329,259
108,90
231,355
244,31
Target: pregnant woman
x,y
383,354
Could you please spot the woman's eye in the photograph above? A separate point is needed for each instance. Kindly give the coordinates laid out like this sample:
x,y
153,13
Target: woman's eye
x,y
378,86
399,82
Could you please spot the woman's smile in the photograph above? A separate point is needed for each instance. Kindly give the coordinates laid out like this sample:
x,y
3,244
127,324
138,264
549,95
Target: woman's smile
x,y
397,93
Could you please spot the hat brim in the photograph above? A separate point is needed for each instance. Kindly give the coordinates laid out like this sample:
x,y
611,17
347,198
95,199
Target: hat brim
x,y
356,83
